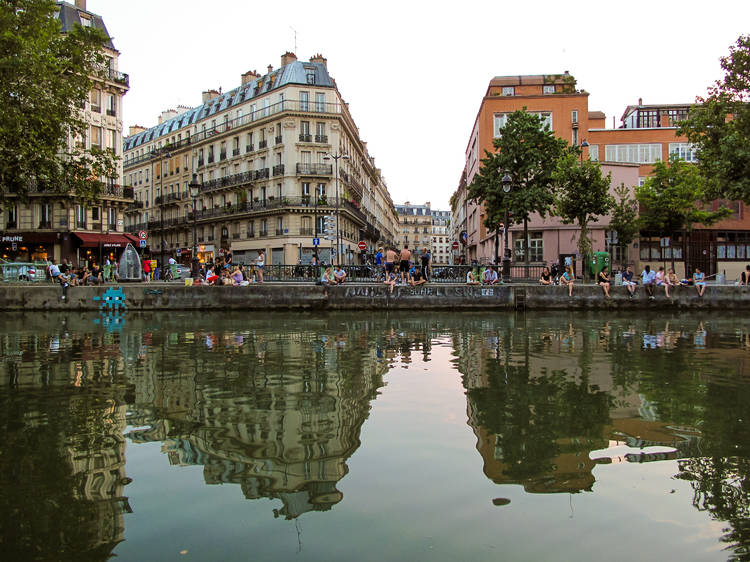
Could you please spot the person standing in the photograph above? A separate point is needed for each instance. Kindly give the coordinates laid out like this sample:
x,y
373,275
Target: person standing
x,y
404,259
426,259
379,262
146,270
260,263
390,260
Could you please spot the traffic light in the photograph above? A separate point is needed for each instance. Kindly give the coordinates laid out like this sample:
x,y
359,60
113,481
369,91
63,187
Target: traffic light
x,y
329,227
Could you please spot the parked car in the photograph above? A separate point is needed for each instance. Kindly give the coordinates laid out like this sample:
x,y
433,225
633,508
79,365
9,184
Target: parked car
x,y
182,271
23,271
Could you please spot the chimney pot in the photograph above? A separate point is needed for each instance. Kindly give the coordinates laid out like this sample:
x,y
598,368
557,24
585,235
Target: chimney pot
x,y
270,68
81,5
249,76
640,101
288,58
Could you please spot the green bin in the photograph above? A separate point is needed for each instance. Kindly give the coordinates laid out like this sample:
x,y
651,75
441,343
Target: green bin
x,y
599,260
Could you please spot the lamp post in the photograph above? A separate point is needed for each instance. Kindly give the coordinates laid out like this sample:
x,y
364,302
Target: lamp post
x,y
336,158
507,182
194,187
584,144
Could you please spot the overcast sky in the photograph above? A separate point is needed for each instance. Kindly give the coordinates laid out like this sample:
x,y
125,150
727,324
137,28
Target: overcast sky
x,y
414,73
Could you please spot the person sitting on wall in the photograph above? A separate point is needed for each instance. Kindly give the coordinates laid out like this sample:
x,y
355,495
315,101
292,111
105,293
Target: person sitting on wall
x,y
603,280
649,278
627,280
699,278
390,280
471,278
744,277
327,278
490,276
339,275
568,278
416,277
546,277
670,280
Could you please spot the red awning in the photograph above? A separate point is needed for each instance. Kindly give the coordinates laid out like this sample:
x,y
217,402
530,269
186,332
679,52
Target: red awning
x,y
91,240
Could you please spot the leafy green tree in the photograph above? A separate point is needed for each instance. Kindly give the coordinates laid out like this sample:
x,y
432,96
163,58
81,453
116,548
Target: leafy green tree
x,y
45,77
670,198
582,195
528,151
719,127
624,219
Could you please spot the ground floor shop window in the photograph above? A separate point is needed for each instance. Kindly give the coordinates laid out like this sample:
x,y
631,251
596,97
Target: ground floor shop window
x,y
733,245
536,247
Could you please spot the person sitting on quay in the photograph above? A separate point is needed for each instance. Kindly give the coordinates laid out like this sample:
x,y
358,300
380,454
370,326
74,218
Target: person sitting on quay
x,y
603,280
649,277
546,277
490,276
471,277
327,278
416,277
238,280
627,280
699,278
660,276
744,276
211,277
390,280
339,275
670,280
568,278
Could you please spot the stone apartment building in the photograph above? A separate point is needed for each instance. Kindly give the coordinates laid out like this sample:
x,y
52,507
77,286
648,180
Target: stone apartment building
x,y
53,226
647,134
442,254
273,158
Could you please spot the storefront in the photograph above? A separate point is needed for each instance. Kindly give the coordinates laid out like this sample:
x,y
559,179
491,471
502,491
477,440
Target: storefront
x,y
98,248
206,253
28,246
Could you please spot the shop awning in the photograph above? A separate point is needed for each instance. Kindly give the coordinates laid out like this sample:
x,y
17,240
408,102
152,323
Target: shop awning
x,y
92,240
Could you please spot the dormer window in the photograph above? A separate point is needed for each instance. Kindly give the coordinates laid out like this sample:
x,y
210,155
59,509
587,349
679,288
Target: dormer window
x,y
311,78
509,91
548,89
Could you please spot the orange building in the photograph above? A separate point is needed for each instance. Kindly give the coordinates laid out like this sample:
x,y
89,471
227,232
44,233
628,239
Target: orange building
x,y
648,133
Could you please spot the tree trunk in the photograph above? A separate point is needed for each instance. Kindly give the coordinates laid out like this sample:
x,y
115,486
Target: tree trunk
x,y
583,248
526,243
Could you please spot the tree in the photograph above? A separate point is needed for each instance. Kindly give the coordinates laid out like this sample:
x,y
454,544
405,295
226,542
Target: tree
x,y
624,219
719,127
582,195
45,77
670,198
528,151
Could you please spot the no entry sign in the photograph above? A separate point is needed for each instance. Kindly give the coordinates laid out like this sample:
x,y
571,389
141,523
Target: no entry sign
x,y
362,245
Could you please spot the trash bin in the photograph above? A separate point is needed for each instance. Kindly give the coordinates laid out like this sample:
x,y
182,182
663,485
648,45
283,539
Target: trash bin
x,y
720,279
599,260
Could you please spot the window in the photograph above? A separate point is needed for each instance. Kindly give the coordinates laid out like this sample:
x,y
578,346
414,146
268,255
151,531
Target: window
x,y
593,152
306,188
574,116
500,119
95,99
634,153
80,214
684,151
509,91
548,89
111,105
321,190
96,137
304,101
11,219
112,218
320,102
536,247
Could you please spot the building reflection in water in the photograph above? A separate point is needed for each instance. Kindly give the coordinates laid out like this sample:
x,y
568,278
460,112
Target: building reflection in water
x,y
279,409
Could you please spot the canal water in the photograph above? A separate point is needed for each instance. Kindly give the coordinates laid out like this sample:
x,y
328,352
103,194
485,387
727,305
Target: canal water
x,y
368,436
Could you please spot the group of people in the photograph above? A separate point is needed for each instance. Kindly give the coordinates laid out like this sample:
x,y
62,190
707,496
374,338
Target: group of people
x,y
225,272
487,277
401,263
649,278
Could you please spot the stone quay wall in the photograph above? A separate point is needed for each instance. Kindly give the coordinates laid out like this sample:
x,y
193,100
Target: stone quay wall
x,y
355,296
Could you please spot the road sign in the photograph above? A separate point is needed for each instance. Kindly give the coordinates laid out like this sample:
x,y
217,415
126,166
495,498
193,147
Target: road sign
x,y
142,243
362,245
142,235
454,245
13,246
179,252
316,241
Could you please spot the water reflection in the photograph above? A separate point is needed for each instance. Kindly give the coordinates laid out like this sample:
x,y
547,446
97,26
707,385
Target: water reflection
x,y
277,405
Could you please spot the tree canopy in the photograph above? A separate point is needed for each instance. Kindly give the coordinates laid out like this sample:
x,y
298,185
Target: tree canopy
x,y
582,194
719,127
527,150
670,198
45,77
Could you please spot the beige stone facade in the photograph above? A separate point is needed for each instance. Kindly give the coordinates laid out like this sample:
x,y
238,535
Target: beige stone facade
x,y
273,157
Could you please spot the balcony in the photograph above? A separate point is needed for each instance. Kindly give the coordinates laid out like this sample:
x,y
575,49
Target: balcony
x,y
118,77
235,235
111,112
305,231
249,148
223,155
321,138
250,235
200,162
227,181
262,173
277,140
236,151
262,144
314,169
261,206
263,233
45,224
278,170
304,137
279,231
210,158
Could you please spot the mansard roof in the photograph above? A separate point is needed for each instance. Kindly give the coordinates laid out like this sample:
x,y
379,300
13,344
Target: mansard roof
x,y
69,15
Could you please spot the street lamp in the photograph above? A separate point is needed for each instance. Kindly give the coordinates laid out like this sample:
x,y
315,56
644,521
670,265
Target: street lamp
x,y
195,188
165,155
336,157
507,182
584,144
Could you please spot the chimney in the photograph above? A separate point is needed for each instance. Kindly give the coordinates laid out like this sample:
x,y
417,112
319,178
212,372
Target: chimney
x,y
321,59
135,129
209,95
81,5
640,101
166,115
288,58
249,76
270,68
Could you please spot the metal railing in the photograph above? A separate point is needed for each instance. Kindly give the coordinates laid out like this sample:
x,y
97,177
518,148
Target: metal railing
x,y
314,169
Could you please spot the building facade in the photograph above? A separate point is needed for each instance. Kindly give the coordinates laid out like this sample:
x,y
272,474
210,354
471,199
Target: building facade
x,y
51,226
648,133
441,238
415,227
273,157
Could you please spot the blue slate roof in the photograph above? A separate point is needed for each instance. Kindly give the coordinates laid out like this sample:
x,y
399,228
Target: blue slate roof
x,y
69,16
293,73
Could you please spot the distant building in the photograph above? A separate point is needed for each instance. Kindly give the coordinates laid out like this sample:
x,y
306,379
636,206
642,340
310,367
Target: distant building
x,y
441,238
53,226
273,157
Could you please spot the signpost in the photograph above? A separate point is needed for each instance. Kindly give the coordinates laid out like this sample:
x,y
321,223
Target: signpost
x,y
316,241
142,235
362,245
454,245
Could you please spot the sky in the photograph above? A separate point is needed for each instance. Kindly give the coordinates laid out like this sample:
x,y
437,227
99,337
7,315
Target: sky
x,y
414,73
